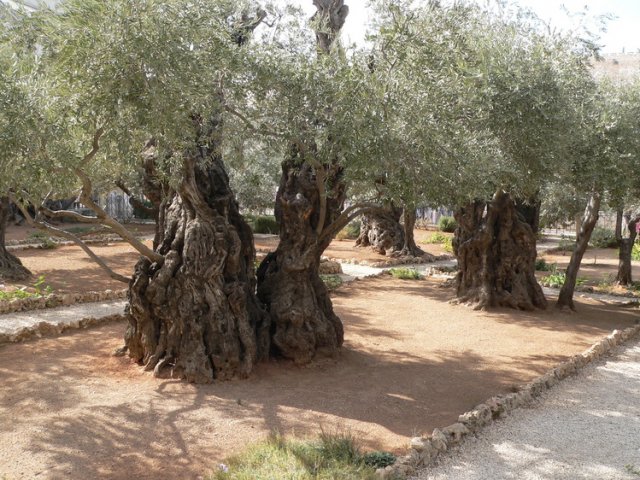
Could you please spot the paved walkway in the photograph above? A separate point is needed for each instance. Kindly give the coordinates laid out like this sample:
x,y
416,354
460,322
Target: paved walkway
x,y
13,323
587,427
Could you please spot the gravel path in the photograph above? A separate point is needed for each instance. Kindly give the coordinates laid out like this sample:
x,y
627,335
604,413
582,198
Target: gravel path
x,y
588,427
13,323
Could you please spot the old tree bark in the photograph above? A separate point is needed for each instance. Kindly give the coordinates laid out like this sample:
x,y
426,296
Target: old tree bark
x,y
11,267
310,199
381,231
195,313
496,251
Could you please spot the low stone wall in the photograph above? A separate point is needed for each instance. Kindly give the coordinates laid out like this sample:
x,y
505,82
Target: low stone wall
x,y
393,262
49,329
56,300
425,450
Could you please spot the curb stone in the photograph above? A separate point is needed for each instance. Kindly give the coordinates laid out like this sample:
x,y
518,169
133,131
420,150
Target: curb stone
x,y
425,450
59,299
49,329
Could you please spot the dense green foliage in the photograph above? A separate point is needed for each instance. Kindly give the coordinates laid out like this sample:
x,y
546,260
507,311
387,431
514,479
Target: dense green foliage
x,y
447,224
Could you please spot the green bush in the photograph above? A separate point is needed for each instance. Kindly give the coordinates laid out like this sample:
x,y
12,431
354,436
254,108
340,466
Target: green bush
x,y
543,266
332,456
405,273
40,290
350,232
379,459
635,252
45,241
331,281
447,224
265,224
603,238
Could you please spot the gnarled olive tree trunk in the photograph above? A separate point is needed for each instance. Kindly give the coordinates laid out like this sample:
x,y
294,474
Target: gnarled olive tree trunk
x,y
289,283
11,267
381,231
310,199
588,223
195,315
496,252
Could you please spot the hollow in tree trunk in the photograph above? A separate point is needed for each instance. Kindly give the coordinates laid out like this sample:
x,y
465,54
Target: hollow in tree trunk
x,y
496,252
195,315
381,231
624,276
587,224
11,267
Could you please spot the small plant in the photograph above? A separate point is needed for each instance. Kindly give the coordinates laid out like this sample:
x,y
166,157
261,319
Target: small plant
x,y
379,459
332,281
331,456
556,278
543,266
606,282
45,241
350,232
632,469
22,293
405,273
603,238
265,224
447,224
635,252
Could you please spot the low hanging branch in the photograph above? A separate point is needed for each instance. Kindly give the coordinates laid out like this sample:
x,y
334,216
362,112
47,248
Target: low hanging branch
x,y
104,219
135,202
47,227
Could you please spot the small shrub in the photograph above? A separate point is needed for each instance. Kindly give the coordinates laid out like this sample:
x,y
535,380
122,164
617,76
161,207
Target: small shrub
x,y
39,288
632,469
332,281
447,224
379,459
405,273
265,224
350,232
543,266
45,241
448,245
635,252
603,238
557,278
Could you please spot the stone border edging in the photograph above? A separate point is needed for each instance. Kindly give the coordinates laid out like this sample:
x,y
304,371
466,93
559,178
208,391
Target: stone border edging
x,y
392,262
50,329
31,245
425,450
59,299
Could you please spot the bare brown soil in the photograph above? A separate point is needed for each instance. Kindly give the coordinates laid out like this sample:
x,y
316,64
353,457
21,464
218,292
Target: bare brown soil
x,y
411,362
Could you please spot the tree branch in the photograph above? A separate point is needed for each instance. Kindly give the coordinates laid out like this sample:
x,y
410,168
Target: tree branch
x,y
133,200
251,126
46,227
106,220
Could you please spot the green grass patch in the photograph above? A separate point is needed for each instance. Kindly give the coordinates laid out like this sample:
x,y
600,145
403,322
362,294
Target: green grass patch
x,y
332,281
440,239
331,456
405,273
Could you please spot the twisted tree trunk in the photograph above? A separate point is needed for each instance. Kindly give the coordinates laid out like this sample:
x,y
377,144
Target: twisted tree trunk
x,y
382,232
409,248
11,267
496,252
289,282
309,201
587,224
195,314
